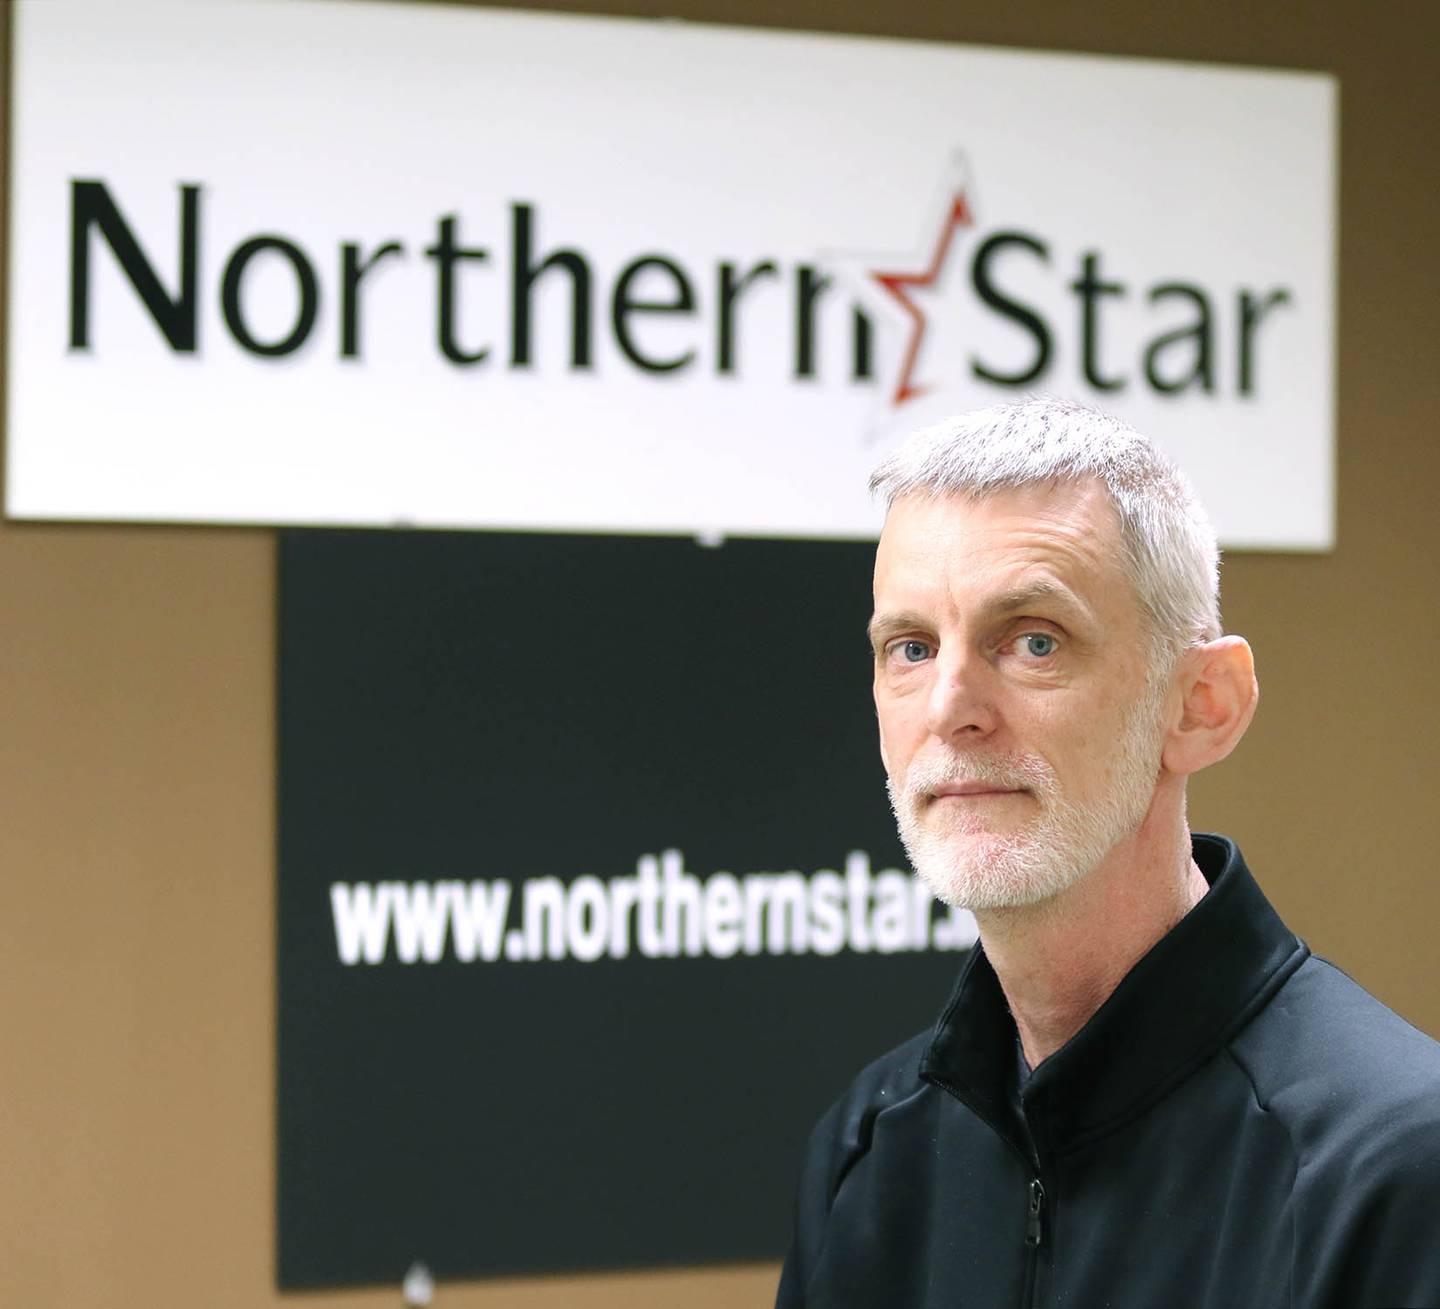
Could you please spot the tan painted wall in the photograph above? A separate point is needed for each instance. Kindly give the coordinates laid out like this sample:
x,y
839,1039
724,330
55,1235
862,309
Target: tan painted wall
x,y
136,707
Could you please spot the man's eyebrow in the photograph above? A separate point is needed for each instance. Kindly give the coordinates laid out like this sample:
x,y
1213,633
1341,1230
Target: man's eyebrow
x,y
1042,592
1038,594
882,626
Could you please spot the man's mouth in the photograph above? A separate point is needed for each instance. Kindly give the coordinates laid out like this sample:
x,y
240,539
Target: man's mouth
x,y
969,790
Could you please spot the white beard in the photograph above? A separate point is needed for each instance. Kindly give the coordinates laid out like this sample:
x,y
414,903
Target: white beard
x,y
964,863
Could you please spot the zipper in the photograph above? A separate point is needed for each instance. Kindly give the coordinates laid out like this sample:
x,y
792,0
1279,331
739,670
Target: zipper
x,y
1036,1219
1035,1222
1034,1239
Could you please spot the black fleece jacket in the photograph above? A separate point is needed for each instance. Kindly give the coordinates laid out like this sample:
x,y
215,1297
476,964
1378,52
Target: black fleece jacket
x,y
1240,1126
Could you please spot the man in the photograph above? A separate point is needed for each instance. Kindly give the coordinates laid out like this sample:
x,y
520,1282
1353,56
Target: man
x,y
1145,1091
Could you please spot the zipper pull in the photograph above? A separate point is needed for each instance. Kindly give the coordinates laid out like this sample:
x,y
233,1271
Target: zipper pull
x,y
1034,1232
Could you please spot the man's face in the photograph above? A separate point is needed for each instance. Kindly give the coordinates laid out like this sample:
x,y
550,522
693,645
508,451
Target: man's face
x,y
1019,721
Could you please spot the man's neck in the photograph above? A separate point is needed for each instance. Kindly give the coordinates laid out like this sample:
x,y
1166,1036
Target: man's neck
x,y
1059,961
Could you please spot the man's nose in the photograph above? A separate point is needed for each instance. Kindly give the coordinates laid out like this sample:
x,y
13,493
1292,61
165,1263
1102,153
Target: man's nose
x,y
962,701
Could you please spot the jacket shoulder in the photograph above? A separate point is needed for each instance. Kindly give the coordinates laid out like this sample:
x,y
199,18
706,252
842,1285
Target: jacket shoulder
x,y
844,1131
1357,1089
1331,1061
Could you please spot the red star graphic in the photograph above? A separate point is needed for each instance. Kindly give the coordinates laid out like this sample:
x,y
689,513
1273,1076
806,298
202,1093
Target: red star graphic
x,y
895,283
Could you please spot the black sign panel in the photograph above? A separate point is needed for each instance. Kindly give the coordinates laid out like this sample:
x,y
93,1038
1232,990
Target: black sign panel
x,y
588,901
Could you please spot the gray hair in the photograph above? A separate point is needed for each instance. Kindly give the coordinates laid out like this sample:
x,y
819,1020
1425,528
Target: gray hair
x,y
1170,549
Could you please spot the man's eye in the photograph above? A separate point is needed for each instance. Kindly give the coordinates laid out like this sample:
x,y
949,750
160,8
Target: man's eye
x,y
1039,644
913,652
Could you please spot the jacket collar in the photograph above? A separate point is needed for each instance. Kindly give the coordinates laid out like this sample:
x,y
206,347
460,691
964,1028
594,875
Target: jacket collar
x,y
1197,985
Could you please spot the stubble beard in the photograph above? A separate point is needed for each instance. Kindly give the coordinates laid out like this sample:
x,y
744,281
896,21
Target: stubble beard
x,y
964,863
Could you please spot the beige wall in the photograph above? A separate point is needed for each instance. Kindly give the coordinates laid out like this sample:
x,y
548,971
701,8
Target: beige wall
x,y
137,698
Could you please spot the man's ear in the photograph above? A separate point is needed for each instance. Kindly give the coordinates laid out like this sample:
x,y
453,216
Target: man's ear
x,y
1218,694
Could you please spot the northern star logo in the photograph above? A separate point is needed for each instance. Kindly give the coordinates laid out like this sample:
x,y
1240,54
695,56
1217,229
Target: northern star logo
x,y
897,283
971,311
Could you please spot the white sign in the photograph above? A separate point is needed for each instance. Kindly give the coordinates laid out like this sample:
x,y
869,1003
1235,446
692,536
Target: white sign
x,y
326,263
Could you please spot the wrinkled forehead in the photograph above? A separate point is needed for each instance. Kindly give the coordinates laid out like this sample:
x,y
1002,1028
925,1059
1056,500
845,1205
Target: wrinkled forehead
x,y
1076,515
1066,533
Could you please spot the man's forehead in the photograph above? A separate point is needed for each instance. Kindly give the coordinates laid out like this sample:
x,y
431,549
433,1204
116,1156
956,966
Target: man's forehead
x,y
1070,516
1048,541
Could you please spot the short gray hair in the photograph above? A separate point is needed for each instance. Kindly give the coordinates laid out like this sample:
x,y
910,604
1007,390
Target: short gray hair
x,y
1170,548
